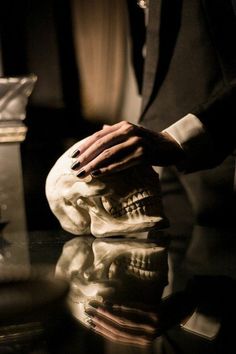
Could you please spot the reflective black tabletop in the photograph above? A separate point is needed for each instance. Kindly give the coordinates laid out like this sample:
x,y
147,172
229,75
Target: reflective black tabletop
x,y
109,296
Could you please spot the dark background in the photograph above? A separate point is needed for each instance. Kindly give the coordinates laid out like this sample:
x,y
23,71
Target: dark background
x,y
37,37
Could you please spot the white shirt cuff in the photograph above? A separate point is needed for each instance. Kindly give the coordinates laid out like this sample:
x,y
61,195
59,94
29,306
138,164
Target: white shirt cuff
x,y
192,136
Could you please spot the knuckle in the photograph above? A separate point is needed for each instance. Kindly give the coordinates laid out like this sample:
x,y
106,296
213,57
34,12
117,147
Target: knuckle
x,y
103,143
124,123
121,323
140,151
136,140
106,154
127,127
85,158
97,135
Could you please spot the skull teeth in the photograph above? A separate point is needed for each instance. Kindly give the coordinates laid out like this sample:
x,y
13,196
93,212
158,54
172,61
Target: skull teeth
x,y
128,208
135,270
141,273
144,265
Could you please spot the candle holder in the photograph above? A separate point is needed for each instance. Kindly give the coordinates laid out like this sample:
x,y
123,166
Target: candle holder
x,y
14,93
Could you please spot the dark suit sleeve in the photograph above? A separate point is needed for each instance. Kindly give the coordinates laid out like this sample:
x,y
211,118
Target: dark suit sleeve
x,y
208,146
218,116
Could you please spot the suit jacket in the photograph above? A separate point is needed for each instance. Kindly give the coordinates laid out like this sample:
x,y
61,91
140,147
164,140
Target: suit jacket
x,y
191,68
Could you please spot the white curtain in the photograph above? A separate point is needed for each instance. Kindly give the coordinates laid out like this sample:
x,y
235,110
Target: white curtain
x,y
101,42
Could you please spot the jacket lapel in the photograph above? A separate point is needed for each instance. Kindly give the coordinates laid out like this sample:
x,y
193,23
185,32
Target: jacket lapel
x,y
162,34
152,43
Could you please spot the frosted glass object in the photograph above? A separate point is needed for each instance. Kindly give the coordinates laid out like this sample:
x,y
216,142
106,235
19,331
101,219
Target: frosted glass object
x,y
14,93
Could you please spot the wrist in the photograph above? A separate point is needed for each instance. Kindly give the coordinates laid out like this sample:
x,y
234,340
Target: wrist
x,y
173,152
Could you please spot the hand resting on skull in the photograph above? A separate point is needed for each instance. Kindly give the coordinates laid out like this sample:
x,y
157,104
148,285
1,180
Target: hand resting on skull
x,y
119,146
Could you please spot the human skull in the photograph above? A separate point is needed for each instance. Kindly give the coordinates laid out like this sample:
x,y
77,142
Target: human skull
x,y
121,271
119,204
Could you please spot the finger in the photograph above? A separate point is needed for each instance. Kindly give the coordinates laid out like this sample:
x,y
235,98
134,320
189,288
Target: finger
x,y
115,167
114,334
126,153
137,312
102,145
92,139
132,319
98,148
129,161
149,312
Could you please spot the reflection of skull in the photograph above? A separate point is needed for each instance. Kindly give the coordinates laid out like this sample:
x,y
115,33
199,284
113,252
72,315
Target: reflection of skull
x,y
125,202
121,271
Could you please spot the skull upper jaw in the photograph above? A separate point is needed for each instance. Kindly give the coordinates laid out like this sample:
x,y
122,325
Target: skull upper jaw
x,y
144,218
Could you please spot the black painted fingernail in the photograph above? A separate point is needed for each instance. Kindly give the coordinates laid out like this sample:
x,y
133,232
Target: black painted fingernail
x,y
91,324
81,174
95,173
75,153
75,165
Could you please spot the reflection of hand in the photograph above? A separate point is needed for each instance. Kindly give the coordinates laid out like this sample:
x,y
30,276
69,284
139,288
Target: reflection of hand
x,y
123,324
122,145
139,326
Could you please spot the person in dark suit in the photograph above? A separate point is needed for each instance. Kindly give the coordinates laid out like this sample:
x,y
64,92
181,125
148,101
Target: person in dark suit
x,y
189,80
188,114
187,126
